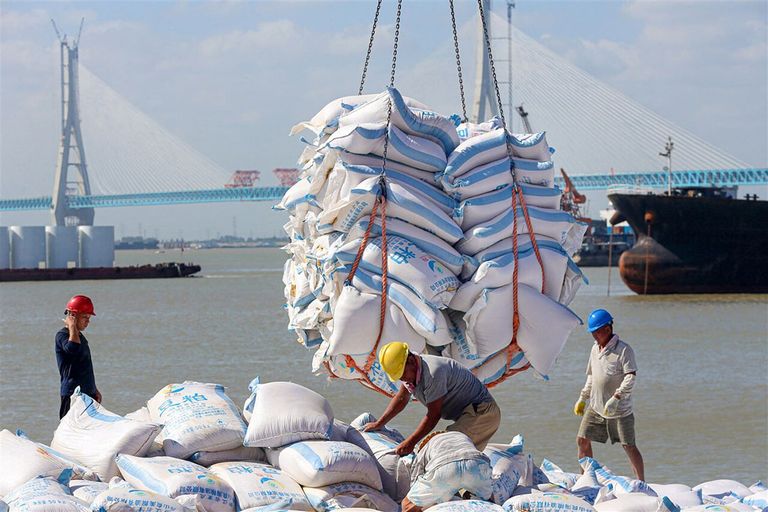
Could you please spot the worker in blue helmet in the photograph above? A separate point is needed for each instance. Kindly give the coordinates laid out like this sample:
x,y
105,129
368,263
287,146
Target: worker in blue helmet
x,y
605,403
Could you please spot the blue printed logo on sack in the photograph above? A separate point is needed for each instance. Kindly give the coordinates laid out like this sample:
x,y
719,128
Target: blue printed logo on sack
x,y
271,482
435,266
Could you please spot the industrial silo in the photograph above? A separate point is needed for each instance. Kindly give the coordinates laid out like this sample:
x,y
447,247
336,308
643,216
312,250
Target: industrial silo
x,y
61,246
5,248
97,246
27,246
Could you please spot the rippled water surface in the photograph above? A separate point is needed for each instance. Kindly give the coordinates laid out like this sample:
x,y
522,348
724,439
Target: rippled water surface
x,y
701,398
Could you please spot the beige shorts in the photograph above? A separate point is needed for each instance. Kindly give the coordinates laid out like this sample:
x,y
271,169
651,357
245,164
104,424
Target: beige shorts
x,y
598,429
479,422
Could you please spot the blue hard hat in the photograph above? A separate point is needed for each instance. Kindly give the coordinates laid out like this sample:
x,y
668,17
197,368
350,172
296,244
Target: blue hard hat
x,y
597,319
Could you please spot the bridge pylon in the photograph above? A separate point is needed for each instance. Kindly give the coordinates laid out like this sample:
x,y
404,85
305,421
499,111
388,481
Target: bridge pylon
x,y
485,94
71,156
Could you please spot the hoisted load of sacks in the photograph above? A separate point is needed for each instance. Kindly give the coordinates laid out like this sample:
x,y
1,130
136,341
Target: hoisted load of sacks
x,y
302,458
451,246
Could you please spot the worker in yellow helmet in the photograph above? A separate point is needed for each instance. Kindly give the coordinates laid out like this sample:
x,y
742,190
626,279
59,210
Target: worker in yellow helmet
x,y
447,389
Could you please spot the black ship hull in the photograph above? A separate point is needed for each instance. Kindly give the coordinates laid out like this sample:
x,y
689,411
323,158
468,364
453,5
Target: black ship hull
x,y
694,244
163,270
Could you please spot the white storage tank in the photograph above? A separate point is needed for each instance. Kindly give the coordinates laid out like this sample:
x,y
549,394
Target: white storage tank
x,y
97,246
27,246
61,246
5,247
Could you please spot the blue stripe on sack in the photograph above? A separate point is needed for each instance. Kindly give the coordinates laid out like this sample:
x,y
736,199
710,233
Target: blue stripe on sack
x,y
309,198
128,467
503,194
91,410
525,164
530,141
531,190
308,455
573,266
232,407
400,299
443,223
477,148
434,250
419,126
416,183
401,146
370,133
494,170
515,360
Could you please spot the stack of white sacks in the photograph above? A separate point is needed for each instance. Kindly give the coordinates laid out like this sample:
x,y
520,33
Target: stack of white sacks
x,y
449,237
192,450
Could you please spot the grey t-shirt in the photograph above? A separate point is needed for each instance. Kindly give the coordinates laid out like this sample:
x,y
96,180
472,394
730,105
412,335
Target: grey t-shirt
x,y
443,377
607,368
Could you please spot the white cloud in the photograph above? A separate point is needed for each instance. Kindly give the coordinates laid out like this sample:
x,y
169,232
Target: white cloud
x,y
18,21
282,35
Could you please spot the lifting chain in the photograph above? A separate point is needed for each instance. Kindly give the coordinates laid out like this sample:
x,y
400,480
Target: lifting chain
x,y
370,47
458,63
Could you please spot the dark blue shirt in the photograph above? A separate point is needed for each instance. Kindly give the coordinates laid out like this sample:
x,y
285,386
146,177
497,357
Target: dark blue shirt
x,y
75,366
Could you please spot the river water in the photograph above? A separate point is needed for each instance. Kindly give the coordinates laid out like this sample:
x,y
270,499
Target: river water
x,y
701,398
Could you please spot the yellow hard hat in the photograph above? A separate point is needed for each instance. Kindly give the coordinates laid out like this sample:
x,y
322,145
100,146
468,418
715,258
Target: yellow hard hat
x,y
392,357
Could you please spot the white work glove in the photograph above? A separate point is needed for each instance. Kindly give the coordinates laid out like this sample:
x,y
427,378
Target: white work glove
x,y
578,408
611,406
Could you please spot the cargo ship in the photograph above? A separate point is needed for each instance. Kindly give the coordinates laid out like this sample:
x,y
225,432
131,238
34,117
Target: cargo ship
x,y
161,270
603,245
694,240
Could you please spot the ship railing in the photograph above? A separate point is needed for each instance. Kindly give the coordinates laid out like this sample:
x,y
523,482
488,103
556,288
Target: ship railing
x,y
629,189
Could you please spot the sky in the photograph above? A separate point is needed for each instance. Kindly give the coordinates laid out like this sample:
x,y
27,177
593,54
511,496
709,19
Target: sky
x,y
230,78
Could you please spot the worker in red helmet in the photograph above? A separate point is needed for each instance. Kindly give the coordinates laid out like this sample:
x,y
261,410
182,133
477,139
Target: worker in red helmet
x,y
73,355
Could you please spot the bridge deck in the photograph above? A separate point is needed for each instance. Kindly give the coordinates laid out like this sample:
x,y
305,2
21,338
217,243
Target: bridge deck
x,y
721,177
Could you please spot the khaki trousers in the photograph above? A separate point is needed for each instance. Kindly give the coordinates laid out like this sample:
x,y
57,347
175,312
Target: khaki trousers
x,y
479,422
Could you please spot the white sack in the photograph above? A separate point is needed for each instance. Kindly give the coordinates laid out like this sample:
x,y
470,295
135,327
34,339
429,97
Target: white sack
x,y
634,502
125,498
481,208
349,494
559,226
621,484
29,459
721,488
260,485
356,324
468,130
174,477
418,121
356,174
197,417
407,264
544,325
546,502
377,163
273,424
466,505
87,490
497,272
491,146
424,240
556,475
406,204
320,463
730,507
510,468
44,494
368,138
92,435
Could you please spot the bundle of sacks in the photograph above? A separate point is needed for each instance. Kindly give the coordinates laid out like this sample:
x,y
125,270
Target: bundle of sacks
x,y
192,450
449,235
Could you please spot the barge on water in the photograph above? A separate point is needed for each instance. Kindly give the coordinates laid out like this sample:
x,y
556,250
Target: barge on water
x,y
160,270
694,240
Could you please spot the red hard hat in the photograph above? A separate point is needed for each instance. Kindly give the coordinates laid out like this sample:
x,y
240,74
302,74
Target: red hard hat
x,y
81,304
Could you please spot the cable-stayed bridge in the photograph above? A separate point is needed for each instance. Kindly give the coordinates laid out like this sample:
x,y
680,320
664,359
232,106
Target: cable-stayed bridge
x,y
602,139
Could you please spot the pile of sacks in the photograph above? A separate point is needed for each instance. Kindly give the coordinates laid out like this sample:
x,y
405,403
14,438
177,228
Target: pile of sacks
x,y
192,450
449,232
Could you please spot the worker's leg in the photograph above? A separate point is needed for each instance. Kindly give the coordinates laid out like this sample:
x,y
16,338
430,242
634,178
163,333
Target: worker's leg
x,y
585,447
636,460
64,407
593,427
479,422
623,430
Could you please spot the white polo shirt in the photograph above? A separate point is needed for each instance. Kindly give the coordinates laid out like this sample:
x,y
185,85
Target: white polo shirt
x,y
607,368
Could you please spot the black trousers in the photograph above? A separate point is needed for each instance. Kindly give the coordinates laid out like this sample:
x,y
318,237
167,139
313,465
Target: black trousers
x,y
64,408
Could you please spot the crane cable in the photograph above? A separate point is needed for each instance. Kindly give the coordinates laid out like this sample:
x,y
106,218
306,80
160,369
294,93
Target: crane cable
x,y
379,202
